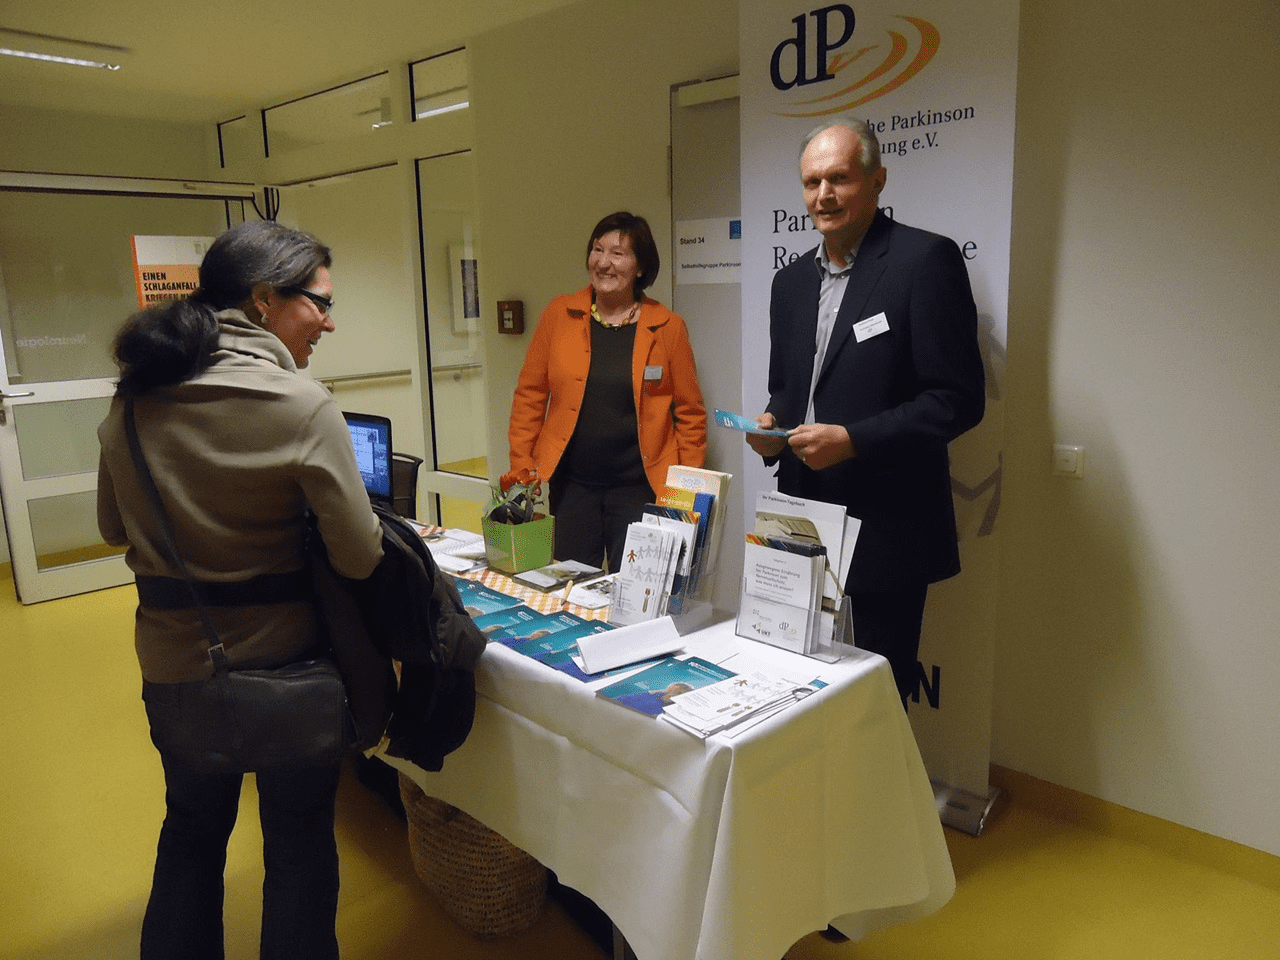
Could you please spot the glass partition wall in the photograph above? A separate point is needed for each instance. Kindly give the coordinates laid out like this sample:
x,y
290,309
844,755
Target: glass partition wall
x,y
371,362
451,262
412,353
350,110
68,279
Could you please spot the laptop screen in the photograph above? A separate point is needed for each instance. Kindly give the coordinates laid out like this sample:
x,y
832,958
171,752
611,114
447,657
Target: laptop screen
x,y
371,437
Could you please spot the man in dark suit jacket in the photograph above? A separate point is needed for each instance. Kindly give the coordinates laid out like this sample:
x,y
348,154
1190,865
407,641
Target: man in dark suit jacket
x,y
885,314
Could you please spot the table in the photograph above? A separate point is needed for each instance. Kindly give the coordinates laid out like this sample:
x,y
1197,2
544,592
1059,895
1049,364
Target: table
x,y
723,849
544,601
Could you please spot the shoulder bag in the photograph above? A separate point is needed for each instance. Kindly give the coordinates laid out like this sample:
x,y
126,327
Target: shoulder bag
x,y
293,716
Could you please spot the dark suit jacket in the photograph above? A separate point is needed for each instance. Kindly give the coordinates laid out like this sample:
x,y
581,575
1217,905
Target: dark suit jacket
x,y
903,395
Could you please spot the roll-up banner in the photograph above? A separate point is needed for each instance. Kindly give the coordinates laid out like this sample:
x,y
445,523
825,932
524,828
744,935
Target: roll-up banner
x,y
937,82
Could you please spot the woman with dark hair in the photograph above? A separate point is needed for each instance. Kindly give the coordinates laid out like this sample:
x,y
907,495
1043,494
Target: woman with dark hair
x,y
241,447
608,397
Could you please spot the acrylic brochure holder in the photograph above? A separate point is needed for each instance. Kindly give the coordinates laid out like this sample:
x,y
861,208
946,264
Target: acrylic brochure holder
x,y
834,633
839,644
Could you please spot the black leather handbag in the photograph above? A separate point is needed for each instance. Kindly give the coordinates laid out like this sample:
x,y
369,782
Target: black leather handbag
x,y
253,720
289,717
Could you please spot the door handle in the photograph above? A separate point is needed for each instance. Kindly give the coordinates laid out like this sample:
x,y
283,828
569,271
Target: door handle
x,y
4,417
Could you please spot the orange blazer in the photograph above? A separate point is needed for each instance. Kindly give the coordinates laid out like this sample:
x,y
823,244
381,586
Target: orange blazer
x,y
671,418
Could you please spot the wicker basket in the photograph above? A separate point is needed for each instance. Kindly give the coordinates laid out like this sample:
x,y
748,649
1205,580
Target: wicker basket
x,y
488,885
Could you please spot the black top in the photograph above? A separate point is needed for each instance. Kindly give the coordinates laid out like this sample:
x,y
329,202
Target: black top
x,y
604,450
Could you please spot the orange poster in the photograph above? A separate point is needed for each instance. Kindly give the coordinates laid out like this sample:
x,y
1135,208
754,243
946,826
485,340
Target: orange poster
x,y
167,267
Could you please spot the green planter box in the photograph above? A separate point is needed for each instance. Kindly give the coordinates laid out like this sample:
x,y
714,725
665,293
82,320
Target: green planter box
x,y
517,547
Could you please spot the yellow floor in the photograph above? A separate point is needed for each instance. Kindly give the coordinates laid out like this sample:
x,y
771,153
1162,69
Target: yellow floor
x,y
80,805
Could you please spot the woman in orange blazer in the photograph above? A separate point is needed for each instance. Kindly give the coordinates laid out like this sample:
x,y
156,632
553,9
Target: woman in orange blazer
x,y
608,397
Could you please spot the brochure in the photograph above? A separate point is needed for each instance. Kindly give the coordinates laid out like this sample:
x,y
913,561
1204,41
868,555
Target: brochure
x,y
730,702
796,516
683,523
456,551
566,661
566,638
736,421
556,575
479,599
652,688
557,648
699,505
491,623
645,578
716,484
593,594
781,592
517,635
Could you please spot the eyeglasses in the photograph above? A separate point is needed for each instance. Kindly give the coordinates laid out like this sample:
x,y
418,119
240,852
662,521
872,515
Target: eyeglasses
x,y
324,303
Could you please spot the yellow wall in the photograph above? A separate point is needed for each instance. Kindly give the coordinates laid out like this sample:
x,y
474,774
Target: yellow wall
x,y
572,123
1138,657
42,142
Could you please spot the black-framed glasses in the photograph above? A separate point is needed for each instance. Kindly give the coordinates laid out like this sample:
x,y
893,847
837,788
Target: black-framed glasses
x,y
324,303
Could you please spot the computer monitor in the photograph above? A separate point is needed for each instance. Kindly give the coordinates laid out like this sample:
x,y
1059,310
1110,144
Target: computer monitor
x,y
371,437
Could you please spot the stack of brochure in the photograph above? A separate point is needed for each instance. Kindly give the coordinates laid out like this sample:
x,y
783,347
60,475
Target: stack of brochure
x,y
705,493
689,509
550,638
477,599
782,591
457,551
794,567
650,559
740,700
684,524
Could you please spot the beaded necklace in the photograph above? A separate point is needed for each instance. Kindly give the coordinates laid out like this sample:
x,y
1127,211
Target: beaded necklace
x,y
630,317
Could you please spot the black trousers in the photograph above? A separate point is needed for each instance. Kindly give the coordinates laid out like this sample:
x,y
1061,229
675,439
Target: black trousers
x,y
888,623
183,920
591,522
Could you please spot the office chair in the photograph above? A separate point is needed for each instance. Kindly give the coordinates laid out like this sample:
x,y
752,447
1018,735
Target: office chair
x,y
404,484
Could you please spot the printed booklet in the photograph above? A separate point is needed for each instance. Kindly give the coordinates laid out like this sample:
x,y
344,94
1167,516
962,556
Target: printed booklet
x,y
593,594
457,551
643,587
556,575
728,703
479,599
650,690
781,592
540,625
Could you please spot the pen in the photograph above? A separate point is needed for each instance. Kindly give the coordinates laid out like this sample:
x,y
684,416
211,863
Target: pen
x,y
565,598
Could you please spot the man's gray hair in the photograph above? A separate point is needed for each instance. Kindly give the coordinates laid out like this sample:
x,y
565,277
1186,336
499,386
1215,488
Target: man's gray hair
x,y
870,153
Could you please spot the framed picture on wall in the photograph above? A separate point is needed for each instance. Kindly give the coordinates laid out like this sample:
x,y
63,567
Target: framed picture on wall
x,y
464,284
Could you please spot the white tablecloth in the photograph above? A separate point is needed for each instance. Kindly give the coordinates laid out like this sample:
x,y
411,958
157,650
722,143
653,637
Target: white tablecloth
x,y
723,849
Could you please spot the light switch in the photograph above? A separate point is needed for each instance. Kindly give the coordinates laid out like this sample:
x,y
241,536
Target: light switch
x,y
511,316
1068,459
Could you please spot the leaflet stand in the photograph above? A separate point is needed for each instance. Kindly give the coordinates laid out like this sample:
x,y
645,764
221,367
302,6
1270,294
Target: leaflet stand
x,y
840,644
697,613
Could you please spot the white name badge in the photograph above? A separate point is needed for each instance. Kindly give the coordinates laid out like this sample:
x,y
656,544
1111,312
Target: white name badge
x,y
655,373
871,327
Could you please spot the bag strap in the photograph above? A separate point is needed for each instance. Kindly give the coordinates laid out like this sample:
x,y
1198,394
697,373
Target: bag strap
x,y
169,543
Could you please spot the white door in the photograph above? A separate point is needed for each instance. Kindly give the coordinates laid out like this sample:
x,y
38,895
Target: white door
x,y
48,482
66,284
